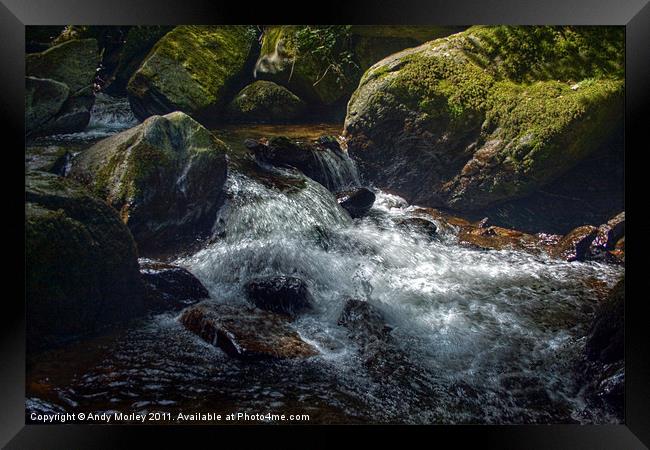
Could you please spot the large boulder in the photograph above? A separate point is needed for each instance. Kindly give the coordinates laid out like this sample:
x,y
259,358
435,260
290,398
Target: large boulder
x,y
486,115
266,102
82,268
164,176
323,64
192,69
73,63
246,333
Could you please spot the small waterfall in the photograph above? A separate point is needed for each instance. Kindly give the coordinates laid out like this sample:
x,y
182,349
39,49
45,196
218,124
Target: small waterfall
x,y
338,169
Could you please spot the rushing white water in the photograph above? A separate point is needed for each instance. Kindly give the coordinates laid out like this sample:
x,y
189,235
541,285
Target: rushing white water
x,y
497,333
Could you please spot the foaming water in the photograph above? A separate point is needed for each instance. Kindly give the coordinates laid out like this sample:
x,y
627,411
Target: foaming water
x,y
490,329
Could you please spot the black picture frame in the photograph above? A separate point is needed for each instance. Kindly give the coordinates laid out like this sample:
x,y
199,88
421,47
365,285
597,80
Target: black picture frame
x,y
15,14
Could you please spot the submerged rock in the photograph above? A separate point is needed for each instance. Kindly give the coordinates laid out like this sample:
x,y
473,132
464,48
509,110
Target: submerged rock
x,y
470,120
357,202
419,224
574,246
322,160
192,69
283,295
169,287
247,333
165,177
363,320
82,268
265,102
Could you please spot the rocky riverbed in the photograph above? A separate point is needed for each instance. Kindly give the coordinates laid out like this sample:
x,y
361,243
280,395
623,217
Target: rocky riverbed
x,y
409,264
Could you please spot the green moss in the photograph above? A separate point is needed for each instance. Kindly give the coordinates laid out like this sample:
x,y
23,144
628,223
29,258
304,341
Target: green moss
x,y
194,66
548,120
530,53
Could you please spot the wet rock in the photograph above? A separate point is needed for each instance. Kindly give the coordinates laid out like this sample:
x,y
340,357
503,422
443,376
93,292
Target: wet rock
x,y
453,124
610,386
574,246
282,295
605,341
265,102
165,177
82,269
193,69
419,224
43,100
246,333
322,160
357,202
607,238
498,238
169,287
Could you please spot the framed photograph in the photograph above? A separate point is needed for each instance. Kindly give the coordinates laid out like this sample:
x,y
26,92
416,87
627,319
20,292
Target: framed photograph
x,y
386,213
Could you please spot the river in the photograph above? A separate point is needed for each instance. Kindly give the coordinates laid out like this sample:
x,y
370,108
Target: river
x,y
482,336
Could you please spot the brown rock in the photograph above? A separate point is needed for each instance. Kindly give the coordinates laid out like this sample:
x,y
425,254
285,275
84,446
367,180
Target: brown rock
x,y
244,332
574,246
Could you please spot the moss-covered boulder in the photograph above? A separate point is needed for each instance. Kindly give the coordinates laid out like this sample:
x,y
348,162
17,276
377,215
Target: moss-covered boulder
x,y
82,267
164,176
488,114
43,100
323,64
194,69
265,102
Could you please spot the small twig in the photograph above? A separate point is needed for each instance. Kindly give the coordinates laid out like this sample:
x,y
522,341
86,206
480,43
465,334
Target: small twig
x,y
293,63
324,73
